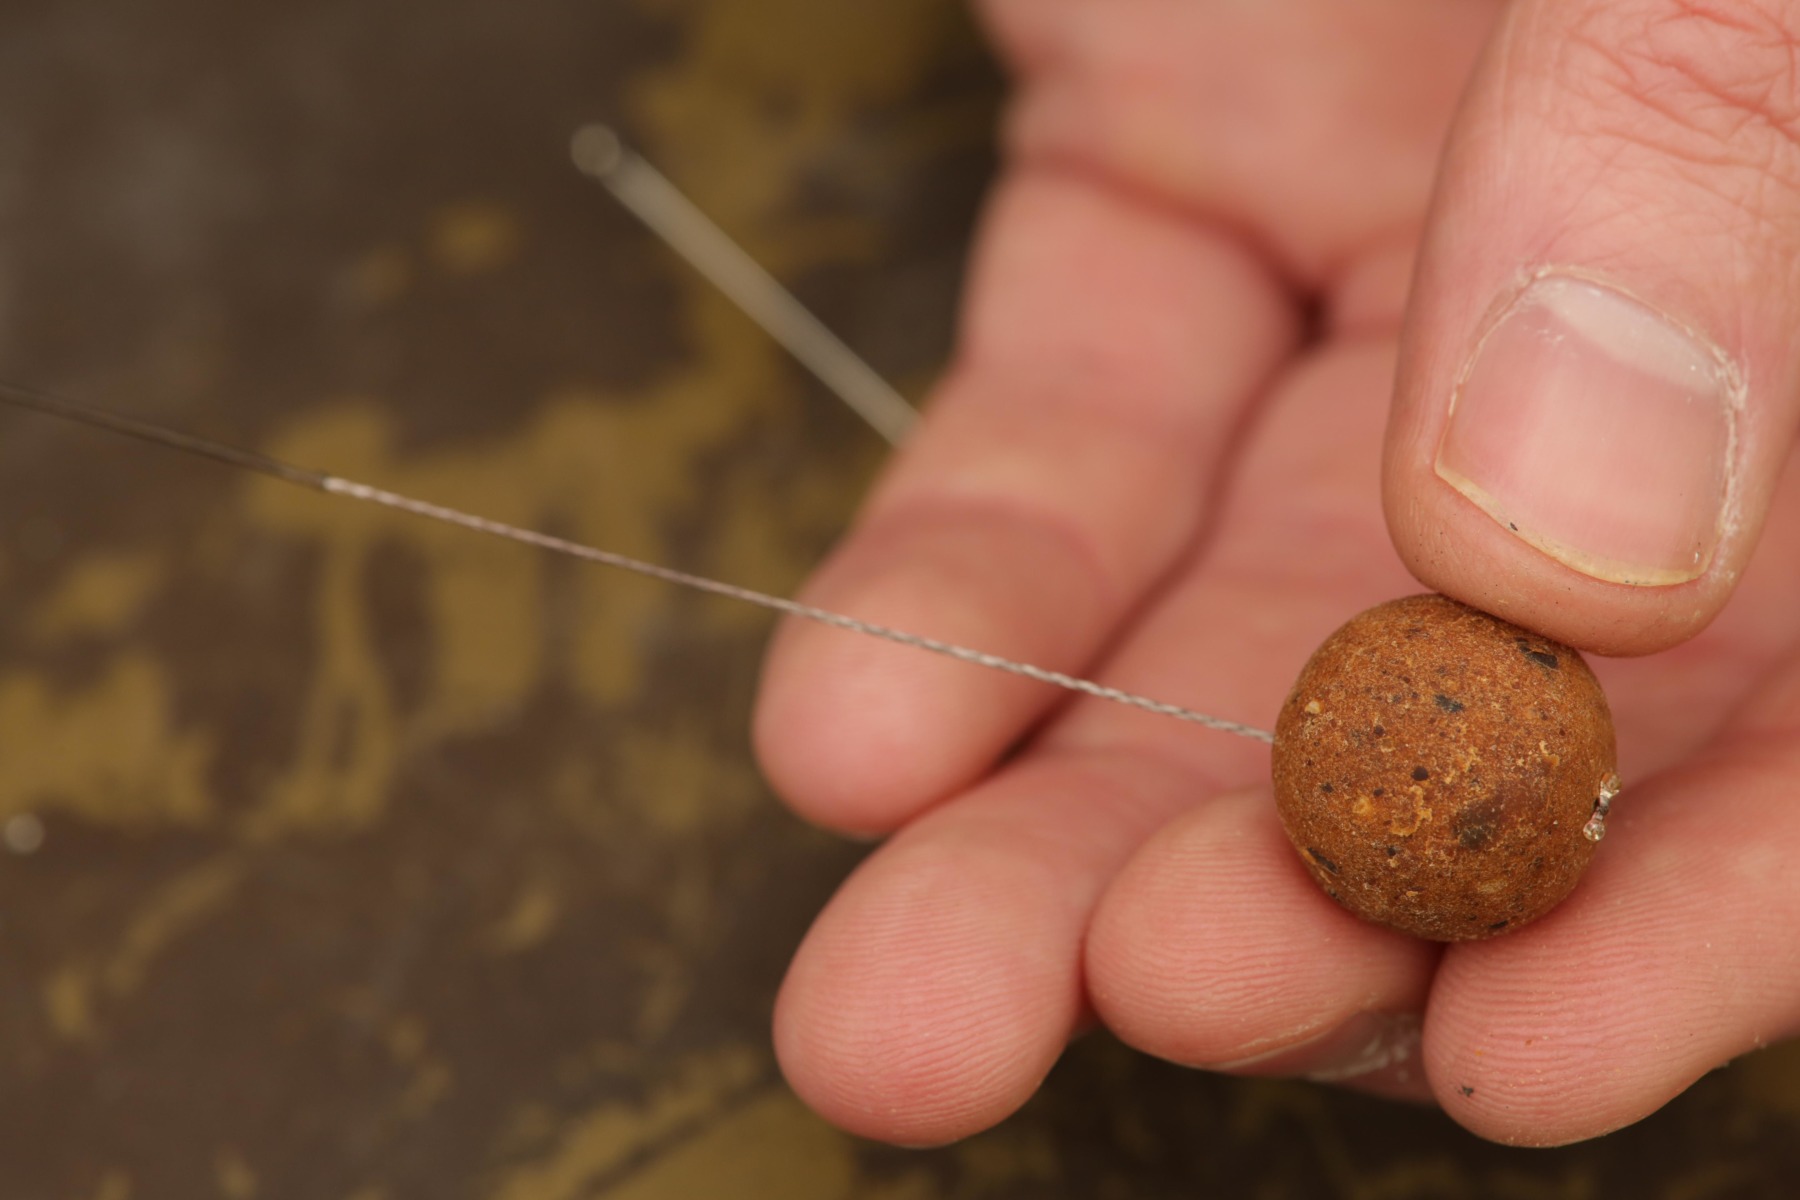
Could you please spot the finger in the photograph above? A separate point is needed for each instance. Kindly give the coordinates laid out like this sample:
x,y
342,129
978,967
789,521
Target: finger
x,y
1213,948
936,990
1108,350
1301,546
1674,956
943,980
1314,124
1600,381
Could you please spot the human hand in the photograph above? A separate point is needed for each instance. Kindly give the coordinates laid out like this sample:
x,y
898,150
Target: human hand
x,y
1159,459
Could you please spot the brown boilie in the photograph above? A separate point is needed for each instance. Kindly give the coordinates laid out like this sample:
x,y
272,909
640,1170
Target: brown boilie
x,y
1441,771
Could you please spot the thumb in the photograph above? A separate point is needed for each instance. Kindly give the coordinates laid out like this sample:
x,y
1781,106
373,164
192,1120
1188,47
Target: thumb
x,y
1597,387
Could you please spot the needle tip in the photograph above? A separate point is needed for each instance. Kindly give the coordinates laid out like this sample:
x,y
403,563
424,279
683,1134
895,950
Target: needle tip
x,y
597,150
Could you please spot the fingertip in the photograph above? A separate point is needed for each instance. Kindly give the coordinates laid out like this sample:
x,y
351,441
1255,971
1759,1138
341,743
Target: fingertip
x,y
1671,958
929,1000
1501,492
940,985
1452,547
1596,395
1518,1054
847,735
858,734
1213,948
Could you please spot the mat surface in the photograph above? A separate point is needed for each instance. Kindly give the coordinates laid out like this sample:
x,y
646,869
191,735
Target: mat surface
x,y
356,859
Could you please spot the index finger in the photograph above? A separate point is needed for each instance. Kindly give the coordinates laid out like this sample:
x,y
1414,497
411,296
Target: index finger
x,y
1108,348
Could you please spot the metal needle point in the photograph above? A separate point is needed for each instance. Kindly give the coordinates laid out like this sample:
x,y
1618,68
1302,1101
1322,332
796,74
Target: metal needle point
x,y
641,188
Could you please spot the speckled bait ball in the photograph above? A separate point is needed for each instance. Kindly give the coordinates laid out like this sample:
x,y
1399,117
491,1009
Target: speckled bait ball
x,y
1443,772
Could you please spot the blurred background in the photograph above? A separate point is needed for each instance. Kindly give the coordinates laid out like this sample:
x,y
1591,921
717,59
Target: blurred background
x,y
350,858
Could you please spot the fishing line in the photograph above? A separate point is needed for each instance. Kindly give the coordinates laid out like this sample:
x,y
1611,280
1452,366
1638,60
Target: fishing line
x,y
262,464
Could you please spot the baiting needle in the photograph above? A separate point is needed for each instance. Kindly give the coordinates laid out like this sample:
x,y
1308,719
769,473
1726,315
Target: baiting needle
x,y
659,204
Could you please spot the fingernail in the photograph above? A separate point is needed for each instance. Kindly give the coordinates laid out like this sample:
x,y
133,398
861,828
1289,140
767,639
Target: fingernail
x,y
1365,1043
1599,430
1372,1042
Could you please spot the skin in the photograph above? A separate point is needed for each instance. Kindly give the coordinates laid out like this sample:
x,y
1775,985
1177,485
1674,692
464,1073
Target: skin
x,y
1188,431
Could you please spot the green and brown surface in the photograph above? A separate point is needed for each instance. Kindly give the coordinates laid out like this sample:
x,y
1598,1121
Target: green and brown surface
x,y
381,861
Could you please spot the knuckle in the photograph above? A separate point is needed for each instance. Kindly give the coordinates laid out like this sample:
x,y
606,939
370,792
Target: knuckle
x,y
1716,82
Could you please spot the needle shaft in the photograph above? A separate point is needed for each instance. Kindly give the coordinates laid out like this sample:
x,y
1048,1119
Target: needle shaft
x,y
656,202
